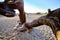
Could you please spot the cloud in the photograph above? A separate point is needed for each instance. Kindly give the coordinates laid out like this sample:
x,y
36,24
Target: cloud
x,y
32,9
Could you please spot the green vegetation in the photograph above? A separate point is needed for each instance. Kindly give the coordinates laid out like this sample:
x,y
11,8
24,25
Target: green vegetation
x,y
38,13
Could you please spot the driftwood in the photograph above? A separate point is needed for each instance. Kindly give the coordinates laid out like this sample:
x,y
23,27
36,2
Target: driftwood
x,y
7,9
38,33
52,19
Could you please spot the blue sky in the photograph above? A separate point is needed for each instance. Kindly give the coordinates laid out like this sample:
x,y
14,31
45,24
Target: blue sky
x,y
33,6
40,5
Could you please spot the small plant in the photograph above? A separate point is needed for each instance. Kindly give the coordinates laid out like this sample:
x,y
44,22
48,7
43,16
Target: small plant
x,y
38,13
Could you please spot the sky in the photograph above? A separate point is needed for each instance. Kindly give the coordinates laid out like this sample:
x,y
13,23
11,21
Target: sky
x,y
33,6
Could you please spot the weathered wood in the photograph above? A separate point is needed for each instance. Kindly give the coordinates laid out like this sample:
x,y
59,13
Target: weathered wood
x,y
39,33
52,19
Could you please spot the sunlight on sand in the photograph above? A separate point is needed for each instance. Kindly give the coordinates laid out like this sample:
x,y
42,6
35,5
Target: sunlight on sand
x,y
58,35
